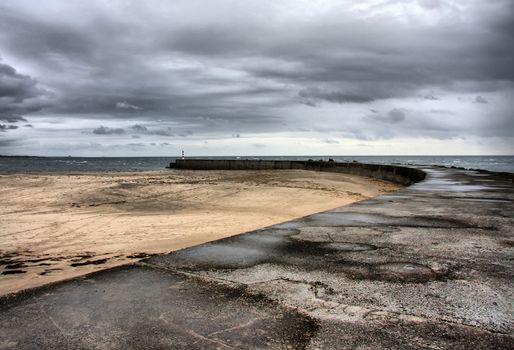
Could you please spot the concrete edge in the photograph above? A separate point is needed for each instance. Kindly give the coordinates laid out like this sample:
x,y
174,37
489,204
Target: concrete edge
x,y
398,174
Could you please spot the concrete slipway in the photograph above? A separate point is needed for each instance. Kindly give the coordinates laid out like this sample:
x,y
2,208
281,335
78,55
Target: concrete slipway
x,y
428,267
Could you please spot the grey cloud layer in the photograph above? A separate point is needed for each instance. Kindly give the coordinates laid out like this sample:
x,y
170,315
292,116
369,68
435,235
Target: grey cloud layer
x,y
4,127
228,67
19,95
102,130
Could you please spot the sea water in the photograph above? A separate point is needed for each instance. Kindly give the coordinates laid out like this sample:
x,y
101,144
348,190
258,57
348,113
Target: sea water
x,y
80,164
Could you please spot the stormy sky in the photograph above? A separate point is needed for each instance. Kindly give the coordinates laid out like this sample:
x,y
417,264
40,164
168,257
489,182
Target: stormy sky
x,y
256,77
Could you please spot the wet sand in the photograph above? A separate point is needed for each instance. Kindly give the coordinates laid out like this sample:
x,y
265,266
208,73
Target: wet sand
x,y
58,226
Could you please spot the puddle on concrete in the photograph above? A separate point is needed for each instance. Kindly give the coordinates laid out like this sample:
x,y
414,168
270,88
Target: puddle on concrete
x,y
404,272
214,256
351,247
382,199
506,243
360,219
308,250
392,197
257,248
442,185
490,200
438,181
442,181
327,240
261,240
331,219
475,173
288,225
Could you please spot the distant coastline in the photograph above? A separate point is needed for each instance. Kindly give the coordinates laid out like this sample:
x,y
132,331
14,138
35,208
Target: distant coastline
x,y
7,156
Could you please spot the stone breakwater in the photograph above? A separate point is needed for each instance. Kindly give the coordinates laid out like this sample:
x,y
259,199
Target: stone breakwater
x,y
397,174
430,266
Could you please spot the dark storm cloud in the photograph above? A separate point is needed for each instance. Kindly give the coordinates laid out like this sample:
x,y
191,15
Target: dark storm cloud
x,y
114,77
186,133
213,40
310,95
497,62
140,129
102,130
19,95
220,67
12,118
396,122
4,127
320,51
166,132
15,85
480,99
392,117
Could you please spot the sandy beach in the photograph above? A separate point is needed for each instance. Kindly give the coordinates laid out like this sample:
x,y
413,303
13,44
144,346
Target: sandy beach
x,y
57,226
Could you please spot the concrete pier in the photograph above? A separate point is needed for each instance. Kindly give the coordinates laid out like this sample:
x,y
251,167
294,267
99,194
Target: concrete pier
x,y
428,267
394,173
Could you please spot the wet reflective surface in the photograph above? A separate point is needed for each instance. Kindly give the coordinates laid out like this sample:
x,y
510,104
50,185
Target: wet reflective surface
x,y
136,308
432,264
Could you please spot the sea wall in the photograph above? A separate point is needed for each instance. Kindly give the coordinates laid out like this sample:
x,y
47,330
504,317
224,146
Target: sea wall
x,y
397,174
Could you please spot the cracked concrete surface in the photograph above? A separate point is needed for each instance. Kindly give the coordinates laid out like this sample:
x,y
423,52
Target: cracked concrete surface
x,y
429,267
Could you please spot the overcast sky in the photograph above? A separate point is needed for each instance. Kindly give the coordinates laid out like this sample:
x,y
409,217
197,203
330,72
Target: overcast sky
x,y
233,77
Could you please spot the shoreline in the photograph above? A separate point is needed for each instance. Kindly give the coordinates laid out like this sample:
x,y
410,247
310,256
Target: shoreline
x,y
63,225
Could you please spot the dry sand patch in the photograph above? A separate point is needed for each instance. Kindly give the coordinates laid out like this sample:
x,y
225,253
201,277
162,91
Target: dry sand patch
x,y
57,226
